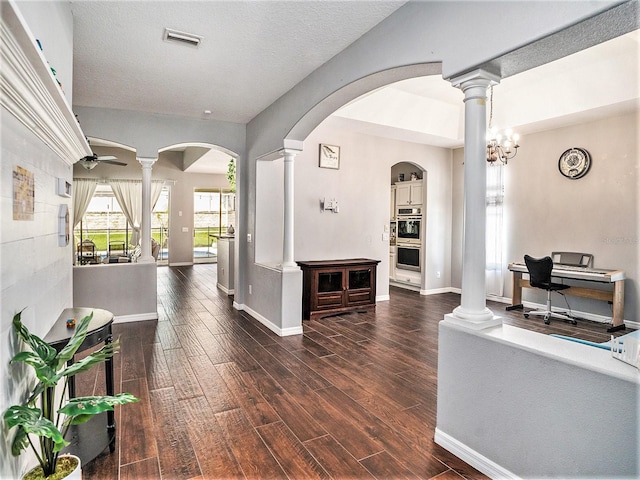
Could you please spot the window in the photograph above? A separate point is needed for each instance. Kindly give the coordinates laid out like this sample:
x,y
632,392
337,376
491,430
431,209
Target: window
x,y
214,212
105,225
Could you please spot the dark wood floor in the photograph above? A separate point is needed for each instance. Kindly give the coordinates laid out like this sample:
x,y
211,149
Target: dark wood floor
x,y
222,397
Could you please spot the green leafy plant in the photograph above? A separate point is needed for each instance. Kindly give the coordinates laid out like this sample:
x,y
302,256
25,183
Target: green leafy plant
x,y
231,174
44,420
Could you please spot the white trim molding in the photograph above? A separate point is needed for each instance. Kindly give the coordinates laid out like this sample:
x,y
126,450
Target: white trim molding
x,y
281,332
29,91
473,458
137,317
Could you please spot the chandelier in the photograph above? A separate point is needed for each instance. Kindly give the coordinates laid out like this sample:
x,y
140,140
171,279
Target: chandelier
x,y
500,147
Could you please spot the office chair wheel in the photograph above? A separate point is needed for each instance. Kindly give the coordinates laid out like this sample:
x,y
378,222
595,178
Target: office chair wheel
x,y
547,320
526,315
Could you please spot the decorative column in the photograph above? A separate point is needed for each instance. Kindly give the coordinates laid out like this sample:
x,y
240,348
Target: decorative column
x,y
288,262
145,228
473,312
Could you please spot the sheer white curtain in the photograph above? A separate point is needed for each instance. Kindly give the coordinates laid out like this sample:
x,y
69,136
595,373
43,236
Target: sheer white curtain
x,y
82,193
495,234
128,194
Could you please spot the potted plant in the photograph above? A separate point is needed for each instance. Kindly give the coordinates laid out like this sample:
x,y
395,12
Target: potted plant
x,y
231,174
50,418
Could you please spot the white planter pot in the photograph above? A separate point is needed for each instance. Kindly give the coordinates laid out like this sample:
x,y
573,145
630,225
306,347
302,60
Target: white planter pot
x,y
74,475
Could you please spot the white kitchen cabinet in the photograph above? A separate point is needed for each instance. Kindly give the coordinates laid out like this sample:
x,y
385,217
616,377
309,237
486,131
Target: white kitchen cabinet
x,y
409,193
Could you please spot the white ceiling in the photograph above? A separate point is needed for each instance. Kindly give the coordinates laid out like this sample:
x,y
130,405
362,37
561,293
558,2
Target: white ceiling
x,y
254,51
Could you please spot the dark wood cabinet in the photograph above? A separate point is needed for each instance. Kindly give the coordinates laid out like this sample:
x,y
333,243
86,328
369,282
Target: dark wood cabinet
x,y
330,287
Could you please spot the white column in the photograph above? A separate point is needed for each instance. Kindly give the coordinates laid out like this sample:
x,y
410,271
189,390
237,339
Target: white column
x,y
473,312
288,262
145,228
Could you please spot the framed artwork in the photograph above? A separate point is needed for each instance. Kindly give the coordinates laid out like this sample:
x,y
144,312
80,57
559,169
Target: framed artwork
x,y
329,156
23,194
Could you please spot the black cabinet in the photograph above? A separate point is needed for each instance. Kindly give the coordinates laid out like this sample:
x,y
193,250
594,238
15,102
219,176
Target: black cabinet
x,y
89,439
330,287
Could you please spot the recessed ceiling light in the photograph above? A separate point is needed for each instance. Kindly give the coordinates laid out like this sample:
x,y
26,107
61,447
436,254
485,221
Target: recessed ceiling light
x,y
207,112
183,37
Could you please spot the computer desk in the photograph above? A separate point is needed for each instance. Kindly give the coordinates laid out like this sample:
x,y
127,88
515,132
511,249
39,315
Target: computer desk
x,y
615,296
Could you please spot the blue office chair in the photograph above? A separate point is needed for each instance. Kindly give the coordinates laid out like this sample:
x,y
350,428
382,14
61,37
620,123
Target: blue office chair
x,y
540,277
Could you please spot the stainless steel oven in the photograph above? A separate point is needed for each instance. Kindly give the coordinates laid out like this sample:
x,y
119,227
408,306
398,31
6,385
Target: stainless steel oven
x,y
408,257
408,229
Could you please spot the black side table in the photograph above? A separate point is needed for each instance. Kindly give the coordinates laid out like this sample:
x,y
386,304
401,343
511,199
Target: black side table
x,y
89,439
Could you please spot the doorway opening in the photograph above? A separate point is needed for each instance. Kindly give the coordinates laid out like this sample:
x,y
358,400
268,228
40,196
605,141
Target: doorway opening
x,y
214,215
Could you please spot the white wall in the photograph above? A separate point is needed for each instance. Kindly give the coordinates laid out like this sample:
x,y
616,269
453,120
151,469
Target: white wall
x,y
545,212
362,188
36,273
519,404
598,214
412,40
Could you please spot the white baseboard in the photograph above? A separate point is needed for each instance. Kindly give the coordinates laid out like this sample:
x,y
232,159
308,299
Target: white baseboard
x,y
181,264
138,317
382,298
473,458
499,299
281,332
577,313
408,286
228,291
435,291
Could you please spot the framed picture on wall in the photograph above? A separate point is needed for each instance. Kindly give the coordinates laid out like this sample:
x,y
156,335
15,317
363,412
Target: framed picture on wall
x,y
23,194
329,156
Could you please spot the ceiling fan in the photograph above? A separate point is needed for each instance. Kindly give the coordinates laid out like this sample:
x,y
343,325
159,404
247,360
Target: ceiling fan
x,y
90,161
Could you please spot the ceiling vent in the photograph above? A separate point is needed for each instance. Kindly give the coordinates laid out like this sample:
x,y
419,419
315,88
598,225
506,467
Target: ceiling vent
x,y
181,37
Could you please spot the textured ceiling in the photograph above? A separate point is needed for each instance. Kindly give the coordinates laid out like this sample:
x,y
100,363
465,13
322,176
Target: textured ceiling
x,y
252,52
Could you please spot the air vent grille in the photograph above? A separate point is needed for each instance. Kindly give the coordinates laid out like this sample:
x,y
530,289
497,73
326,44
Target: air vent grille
x,y
171,35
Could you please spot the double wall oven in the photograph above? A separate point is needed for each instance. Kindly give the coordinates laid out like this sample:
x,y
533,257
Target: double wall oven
x,y
409,238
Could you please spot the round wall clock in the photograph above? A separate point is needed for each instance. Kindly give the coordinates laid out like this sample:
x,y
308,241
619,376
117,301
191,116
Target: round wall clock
x,y
574,163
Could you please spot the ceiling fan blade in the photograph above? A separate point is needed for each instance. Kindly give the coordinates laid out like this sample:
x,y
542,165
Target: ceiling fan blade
x,y
107,157
112,162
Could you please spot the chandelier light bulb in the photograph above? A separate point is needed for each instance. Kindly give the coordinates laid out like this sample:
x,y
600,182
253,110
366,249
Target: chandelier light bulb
x,y
499,147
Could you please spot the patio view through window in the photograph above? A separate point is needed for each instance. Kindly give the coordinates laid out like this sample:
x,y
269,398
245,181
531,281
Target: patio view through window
x,y
214,213
104,230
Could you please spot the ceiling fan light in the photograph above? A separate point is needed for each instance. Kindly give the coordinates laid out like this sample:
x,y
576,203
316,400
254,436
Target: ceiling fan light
x,y
88,164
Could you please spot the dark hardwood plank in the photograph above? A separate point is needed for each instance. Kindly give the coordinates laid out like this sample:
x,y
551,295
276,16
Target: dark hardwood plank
x,y
335,459
224,397
136,422
184,380
211,383
252,454
292,456
143,469
383,466
157,370
288,409
255,407
175,452
215,458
